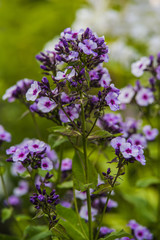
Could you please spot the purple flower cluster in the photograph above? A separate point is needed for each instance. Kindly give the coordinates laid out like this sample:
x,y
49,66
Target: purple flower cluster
x,y
128,151
46,202
17,91
33,153
4,135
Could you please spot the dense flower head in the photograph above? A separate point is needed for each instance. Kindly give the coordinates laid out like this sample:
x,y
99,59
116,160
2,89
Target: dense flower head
x,y
4,135
46,202
75,66
18,90
34,153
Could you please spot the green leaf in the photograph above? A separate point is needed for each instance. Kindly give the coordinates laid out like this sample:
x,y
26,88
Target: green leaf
x,y
115,235
60,232
146,182
2,170
56,142
39,214
22,217
71,223
79,176
6,214
68,184
102,188
8,237
36,232
65,131
99,134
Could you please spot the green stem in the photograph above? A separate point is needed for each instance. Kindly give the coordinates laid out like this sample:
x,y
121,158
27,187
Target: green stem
x,y
105,207
79,219
158,163
92,127
60,163
4,188
84,140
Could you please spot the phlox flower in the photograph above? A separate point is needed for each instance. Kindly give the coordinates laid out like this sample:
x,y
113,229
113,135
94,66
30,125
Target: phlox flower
x,y
4,135
105,80
84,212
144,97
150,133
33,92
117,142
66,164
138,67
73,113
17,167
128,150
88,46
138,139
126,94
22,188
36,146
142,233
46,164
81,195
13,200
46,105
112,101
20,154
140,157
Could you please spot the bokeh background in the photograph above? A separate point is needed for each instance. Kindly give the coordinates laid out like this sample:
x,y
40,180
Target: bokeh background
x,y
131,29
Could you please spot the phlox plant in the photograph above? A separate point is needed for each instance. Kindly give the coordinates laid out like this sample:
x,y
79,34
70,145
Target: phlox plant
x,y
76,93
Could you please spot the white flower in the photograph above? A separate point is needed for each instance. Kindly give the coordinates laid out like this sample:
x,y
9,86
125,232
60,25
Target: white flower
x,y
137,68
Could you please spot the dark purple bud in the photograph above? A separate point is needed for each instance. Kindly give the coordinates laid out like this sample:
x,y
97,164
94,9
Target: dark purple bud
x,y
138,85
45,81
9,160
44,68
151,60
57,201
53,192
108,171
44,191
39,58
38,188
41,198
117,151
54,218
82,72
99,94
104,174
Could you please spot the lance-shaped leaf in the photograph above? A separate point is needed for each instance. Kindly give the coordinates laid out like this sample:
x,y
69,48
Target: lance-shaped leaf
x,y
55,141
68,184
102,188
65,131
71,223
79,174
115,235
60,232
6,214
99,134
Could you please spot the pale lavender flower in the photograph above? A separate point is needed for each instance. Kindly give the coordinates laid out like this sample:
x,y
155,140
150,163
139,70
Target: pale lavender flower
x,y
20,154
88,46
128,150
158,72
13,200
112,101
150,133
66,164
33,92
138,67
140,157
126,94
65,98
73,113
46,105
138,139
133,224
84,212
22,188
4,135
142,233
105,80
111,203
51,154
66,204
144,97
81,195
17,167
117,142
46,164
9,94
61,75
36,145
105,230
11,150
